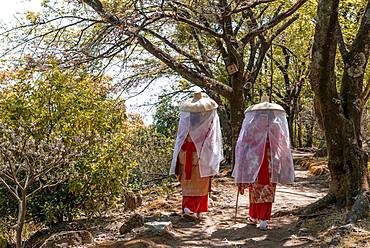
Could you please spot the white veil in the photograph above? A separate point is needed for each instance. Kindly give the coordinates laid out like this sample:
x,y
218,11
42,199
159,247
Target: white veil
x,y
204,130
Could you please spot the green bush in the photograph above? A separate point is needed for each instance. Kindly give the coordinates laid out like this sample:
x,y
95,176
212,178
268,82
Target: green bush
x,y
138,158
166,117
152,153
124,155
128,162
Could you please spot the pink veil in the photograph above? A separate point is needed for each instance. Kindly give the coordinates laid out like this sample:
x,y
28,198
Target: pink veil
x,y
251,146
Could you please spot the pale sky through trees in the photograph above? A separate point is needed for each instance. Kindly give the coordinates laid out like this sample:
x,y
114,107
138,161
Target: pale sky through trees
x,y
10,10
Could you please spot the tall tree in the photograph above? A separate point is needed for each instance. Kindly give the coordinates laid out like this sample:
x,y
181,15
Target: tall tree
x,y
236,31
340,110
294,75
285,70
219,45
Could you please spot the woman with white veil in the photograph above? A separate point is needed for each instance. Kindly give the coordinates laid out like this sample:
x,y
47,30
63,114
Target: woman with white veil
x,y
198,153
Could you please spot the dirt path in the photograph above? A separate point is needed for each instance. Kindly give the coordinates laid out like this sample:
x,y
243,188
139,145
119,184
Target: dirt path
x,y
324,229
219,228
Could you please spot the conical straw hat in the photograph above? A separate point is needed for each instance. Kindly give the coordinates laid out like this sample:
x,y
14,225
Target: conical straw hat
x,y
198,104
265,105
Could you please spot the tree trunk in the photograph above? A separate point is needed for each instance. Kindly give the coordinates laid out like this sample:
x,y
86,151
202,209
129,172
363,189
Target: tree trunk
x,y
299,134
340,118
226,134
347,165
347,160
21,218
224,114
309,134
236,109
290,119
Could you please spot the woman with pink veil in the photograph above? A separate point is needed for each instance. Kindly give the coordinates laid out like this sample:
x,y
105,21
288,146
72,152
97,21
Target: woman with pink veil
x,y
263,158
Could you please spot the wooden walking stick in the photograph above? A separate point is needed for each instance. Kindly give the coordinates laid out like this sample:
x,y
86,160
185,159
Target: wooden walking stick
x,y
236,204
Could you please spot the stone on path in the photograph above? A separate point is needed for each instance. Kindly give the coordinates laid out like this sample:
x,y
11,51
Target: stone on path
x,y
157,228
136,220
67,239
132,200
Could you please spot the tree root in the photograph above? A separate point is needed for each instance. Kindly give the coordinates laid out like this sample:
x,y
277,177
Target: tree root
x,y
318,205
360,208
281,213
310,210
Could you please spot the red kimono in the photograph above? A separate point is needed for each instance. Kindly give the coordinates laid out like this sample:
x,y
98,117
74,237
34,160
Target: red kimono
x,y
194,187
262,192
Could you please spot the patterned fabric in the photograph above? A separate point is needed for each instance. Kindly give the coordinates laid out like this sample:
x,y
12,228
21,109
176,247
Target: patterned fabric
x,y
263,190
257,126
259,193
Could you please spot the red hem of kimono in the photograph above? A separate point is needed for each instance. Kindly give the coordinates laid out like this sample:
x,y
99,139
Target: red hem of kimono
x,y
260,211
196,204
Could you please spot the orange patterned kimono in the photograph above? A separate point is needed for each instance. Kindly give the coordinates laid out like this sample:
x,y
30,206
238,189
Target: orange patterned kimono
x,y
194,187
262,192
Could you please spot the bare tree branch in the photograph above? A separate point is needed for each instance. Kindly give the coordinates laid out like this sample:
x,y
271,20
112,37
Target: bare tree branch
x,y
11,190
252,54
194,25
141,91
250,5
44,187
187,73
44,22
25,42
179,50
229,37
98,7
202,52
282,28
275,21
258,64
340,40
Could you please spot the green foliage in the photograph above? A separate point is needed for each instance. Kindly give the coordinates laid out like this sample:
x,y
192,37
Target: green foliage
x,y
350,14
4,235
59,104
166,117
124,154
152,152
7,213
7,203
